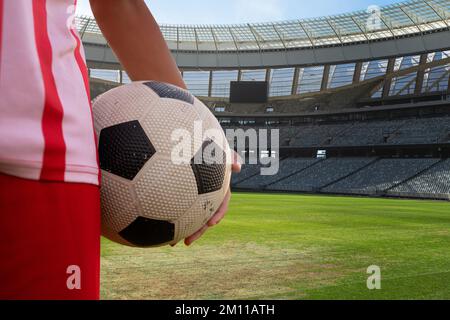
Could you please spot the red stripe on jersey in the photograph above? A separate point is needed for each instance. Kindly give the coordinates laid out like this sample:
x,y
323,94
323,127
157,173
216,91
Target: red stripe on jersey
x,y
84,73
1,31
54,159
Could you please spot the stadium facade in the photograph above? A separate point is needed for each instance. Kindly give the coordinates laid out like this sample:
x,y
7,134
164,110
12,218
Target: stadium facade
x,y
370,88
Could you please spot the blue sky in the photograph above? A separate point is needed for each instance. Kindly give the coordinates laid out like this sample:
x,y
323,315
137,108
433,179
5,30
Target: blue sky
x,y
242,11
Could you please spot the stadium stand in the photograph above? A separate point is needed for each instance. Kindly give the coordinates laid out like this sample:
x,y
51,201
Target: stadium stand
x,y
366,133
422,131
315,136
287,168
248,171
414,178
321,174
380,176
433,183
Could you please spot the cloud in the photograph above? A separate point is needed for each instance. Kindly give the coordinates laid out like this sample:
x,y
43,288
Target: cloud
x,y
258,10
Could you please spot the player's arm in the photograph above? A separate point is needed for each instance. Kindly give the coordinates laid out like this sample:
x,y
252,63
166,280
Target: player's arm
x,y
135,37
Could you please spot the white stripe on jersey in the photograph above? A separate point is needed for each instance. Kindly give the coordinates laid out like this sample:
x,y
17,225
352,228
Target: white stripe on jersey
x,y
21,93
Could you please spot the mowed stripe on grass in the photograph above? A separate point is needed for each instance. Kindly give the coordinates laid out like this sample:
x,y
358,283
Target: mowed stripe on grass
x,y
284,246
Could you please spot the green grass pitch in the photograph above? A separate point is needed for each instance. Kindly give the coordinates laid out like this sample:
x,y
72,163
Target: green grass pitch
x,y
283,246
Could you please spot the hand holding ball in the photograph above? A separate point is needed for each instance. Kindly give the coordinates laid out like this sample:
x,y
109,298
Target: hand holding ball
x,y
166,164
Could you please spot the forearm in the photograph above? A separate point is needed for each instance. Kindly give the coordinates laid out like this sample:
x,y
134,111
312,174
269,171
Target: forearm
x,y
136,39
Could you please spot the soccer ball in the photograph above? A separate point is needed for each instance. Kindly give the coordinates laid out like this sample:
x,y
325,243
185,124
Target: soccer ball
x,y
157,189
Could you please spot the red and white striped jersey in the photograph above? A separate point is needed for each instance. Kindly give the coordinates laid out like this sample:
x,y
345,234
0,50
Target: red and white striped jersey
x,y
46,129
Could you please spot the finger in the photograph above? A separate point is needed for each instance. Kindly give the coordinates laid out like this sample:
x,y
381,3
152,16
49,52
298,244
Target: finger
x,y
191,239
237,158
220,213
237,162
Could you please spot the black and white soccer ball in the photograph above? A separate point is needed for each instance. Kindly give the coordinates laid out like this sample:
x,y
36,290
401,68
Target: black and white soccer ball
x,y
148,199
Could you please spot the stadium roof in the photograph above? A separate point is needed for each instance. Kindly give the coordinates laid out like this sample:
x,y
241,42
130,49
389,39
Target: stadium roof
x,y
398,20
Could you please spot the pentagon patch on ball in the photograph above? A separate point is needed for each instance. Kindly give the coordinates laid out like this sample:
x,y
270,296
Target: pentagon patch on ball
x,y
145,232
124,149
165,90
210,173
